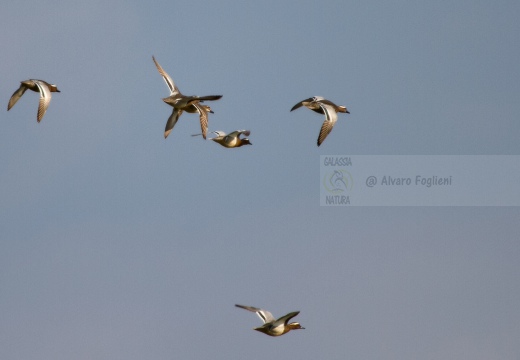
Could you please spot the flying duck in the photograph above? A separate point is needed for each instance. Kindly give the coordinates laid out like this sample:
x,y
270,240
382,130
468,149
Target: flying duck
x,y
181,103
231,140
326,107
272,326
44,88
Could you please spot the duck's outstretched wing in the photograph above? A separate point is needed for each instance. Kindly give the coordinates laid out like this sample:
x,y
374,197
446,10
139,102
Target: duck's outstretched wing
x,y
330,120
265,315
45,99
300,104
208,97
237,133
172,120
167,79
285,319
16,96
203,115
219,133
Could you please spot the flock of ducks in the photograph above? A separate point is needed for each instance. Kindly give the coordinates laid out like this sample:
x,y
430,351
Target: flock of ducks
x,y
192,104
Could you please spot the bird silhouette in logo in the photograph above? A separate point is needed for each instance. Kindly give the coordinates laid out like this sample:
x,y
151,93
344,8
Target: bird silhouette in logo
x,y
338,181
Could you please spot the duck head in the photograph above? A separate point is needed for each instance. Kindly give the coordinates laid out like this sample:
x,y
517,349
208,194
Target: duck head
x,y
343,109
295,326
245,141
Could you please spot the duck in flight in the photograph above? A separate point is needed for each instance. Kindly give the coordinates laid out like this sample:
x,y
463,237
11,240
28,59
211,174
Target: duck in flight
x,y
44,88
231,140
181,103
272,326
326,107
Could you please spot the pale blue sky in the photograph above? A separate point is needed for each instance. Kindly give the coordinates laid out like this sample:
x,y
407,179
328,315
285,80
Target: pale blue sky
x,y
119,244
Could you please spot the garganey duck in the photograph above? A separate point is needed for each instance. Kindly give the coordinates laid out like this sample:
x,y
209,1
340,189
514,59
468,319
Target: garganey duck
x,y
231,140
181,103
326,107
44,88
272,326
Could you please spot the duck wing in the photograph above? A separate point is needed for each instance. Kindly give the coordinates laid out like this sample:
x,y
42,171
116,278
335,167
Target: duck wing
x,y
300,104
16,96
203,118
265,315
45,98
285,319
330,120
167,79
172,120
